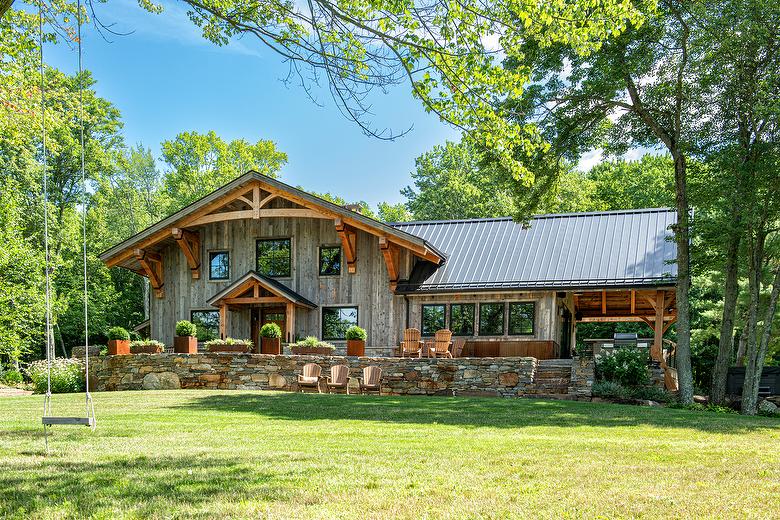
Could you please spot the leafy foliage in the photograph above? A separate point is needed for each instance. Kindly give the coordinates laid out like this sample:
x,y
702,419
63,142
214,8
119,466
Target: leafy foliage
x,y
270,330
118,333
355,332
67,375
626,366
185,328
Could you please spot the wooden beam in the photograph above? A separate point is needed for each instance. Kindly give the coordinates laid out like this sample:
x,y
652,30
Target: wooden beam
x,y
633,301
256,214
617,319
153,267
603,301
656,351
189,243
671,322
392,256
248,300
289,322
222,321
348,237
267,199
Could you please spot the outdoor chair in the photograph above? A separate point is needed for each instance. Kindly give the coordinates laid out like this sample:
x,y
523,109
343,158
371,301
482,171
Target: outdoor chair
x,y
371,380
411,345
440,346
310,378
338,379
457,347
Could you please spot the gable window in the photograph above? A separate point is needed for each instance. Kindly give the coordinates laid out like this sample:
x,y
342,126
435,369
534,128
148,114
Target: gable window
x,y
219,265
521,318
432,319
462,319
206,324
330,261
491,319
336,321
274,257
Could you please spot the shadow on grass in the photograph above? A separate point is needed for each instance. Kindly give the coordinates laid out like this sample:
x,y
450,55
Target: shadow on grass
x,y
464,411
139,487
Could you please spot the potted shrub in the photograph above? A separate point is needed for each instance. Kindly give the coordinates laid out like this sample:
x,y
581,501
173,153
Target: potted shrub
x,y
271,339
185,341
356,341
147,346
118,341
311,345
229,345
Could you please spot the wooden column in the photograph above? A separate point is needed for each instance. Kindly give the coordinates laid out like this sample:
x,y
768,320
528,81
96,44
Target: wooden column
x,y
222,321
658,328
289,322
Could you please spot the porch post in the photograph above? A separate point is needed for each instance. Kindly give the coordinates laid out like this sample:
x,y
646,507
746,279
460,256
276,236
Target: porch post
x,y
290,322
222,321
658,329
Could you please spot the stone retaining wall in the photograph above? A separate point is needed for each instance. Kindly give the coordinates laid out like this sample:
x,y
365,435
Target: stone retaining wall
x,y
505,377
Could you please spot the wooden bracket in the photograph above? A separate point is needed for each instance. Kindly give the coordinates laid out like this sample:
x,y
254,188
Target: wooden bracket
x,y
189,243
348,237
603,301
153,267
392,259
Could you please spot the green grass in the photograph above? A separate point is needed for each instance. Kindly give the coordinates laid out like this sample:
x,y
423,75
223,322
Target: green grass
x,y
220,454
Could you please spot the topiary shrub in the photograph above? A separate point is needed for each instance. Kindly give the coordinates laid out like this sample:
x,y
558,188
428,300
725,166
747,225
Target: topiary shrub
x,y
186,328
67,375
270,330
118,333
355,332
627,366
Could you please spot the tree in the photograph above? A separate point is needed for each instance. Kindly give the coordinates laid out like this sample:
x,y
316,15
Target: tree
x,y
393,212
646,183
200,163
361,206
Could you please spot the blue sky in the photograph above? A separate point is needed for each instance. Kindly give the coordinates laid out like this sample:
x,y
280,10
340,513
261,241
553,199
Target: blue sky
x,y
165,78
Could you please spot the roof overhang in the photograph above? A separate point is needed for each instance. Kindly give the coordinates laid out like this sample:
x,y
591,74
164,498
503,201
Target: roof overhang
x,y
254,288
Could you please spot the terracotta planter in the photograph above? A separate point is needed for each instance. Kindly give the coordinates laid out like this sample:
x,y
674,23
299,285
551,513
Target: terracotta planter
x,y
229,348
316,351
185,345
118,347
271,346
356,347
146,349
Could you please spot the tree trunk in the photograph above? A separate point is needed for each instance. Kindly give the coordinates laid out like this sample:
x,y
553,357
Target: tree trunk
x,y
741,347
731,292
5,5
754,284
682,238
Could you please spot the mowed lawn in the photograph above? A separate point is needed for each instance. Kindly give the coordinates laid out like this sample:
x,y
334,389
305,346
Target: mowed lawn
x,y
219,454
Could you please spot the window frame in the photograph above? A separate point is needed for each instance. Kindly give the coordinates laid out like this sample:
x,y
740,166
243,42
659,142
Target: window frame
x,y
473,306
219,251
319,260
509,318
322,319
290,255
192,320
503,319
422,318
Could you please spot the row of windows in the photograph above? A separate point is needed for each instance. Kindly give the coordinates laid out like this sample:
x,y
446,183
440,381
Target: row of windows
x,y
492,318
274,258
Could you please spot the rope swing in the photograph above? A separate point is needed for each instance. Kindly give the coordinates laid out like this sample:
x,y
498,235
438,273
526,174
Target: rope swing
x,y
48,420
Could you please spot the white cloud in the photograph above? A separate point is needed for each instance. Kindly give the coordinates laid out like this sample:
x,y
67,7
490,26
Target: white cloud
x,y
590,159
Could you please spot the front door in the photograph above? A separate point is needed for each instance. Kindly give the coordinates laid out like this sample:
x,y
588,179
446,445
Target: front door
x,y
267,315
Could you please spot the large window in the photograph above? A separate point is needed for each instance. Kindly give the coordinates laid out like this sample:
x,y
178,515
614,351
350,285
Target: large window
x,y
432,319
521,318
491,319
330,261
336,321
219,265
462,319
274,257
206,323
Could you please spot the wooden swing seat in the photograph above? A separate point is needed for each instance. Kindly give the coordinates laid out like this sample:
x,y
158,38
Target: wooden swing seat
x,y
74,421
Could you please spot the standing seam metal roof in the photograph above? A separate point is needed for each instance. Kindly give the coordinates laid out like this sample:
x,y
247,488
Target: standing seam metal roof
x,y
599,249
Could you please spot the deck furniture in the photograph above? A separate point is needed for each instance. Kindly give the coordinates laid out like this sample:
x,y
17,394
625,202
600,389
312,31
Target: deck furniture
x,y
457,347
310,378
371,380
338,379
440,346
411,345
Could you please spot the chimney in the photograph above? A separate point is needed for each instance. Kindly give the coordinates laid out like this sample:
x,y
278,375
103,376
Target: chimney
x,y
354,207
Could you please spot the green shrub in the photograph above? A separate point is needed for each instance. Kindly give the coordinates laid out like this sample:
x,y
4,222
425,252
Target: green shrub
x,y
159,345
653,393
230,341
186,328
355,332
118,333
627,366
610,390
67,375
11,377
313,341
697,407
270,330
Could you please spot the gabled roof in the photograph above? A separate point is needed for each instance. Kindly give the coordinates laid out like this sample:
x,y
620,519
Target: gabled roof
x,y
628,248
270,284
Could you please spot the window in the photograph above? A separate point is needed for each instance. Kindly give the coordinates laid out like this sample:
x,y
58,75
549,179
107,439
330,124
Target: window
x,y
462,319
219,265
491,319
432,319
330,261
521,318
273,257
336,321
206,323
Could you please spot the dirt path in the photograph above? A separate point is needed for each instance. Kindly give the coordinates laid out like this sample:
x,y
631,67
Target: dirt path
x,y
6,391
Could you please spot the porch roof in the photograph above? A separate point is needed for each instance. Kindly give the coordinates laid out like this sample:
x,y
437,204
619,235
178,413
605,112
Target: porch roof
x,y
233,293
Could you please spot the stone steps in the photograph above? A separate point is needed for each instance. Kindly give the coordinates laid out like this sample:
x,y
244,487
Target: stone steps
x,y
552,379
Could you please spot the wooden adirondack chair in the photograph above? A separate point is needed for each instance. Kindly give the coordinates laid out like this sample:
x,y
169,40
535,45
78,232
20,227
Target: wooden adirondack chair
x,y
411,345
310,378
372,380
457,347
440,346
339,379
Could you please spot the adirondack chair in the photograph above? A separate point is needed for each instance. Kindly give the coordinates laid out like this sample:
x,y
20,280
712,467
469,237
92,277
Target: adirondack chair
x,y
411,345
440,346
457,347
371,380
310,378
339,379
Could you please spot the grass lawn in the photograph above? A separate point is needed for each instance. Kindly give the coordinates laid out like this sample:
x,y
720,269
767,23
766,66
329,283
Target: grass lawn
x,y
235,454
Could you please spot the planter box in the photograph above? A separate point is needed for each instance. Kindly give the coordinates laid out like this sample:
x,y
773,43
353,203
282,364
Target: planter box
x,y
229,348
146,349
185,345
317,351
271,346
118,347
356,347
